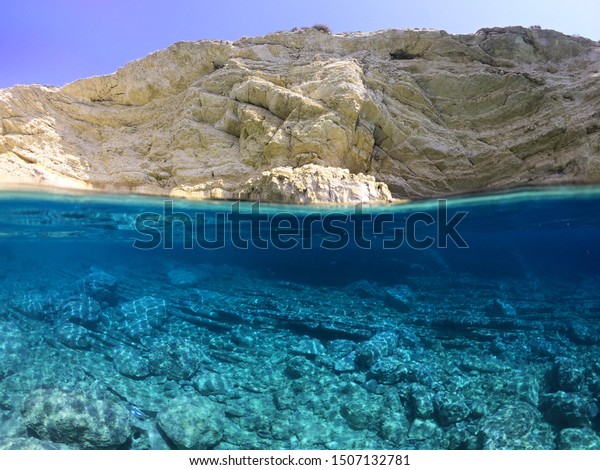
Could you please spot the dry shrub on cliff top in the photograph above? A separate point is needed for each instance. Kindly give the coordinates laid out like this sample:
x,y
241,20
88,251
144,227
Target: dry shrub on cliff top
x,y
319,27
322,27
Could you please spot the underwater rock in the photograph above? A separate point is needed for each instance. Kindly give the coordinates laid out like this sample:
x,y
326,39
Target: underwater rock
x,y
85,311
407,337
30,443
308,347
399,298
243,368
130,363
568,410
175,358
299,366
101,287
380,345
500,308
450,408
393,428
14,348
544,347
425,430
192,422
257,416
183,278
36,306
390,370
346,363
578,439
582,332
361,412
461,436
339,348
421,401
485,364
244,336
342,352
73,336
142,317
212,384
515,426
526,388
594,383
76,417
284,399
364,290
566,375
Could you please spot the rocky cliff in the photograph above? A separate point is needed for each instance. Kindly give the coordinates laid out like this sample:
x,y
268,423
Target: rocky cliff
x,y
423,111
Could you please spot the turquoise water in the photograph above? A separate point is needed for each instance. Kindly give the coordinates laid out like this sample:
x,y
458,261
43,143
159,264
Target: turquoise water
x,y
135,323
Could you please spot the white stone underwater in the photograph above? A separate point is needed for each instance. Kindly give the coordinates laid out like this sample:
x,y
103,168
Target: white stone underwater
x,y
139,323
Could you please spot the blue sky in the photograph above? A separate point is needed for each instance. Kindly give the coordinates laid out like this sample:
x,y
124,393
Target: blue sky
x,y
54,42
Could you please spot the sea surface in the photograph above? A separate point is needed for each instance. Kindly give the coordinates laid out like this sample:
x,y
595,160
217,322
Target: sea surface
x,y
143,323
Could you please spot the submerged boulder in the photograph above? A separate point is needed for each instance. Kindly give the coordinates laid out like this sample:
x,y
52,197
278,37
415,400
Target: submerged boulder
x,y
517,426
192,422
76,417
568,409
567,375
73,336
399,298
143,317
175,358
380,345
130,362
361,412
84,311
37,305
578,439
100,286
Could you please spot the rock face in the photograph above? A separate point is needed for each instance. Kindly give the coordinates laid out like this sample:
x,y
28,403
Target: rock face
x,y
313,184
423,112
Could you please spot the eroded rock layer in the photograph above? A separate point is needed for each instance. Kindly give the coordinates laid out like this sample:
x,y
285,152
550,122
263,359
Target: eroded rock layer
x,y
423,112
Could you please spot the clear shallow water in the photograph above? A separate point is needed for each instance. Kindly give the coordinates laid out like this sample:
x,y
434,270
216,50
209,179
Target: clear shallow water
x,y
471,323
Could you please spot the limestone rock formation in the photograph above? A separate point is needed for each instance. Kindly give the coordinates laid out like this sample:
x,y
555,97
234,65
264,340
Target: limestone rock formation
x,y
423,112
312,184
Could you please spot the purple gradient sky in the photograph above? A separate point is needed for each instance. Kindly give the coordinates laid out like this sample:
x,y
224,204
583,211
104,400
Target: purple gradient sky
x,y
57,41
